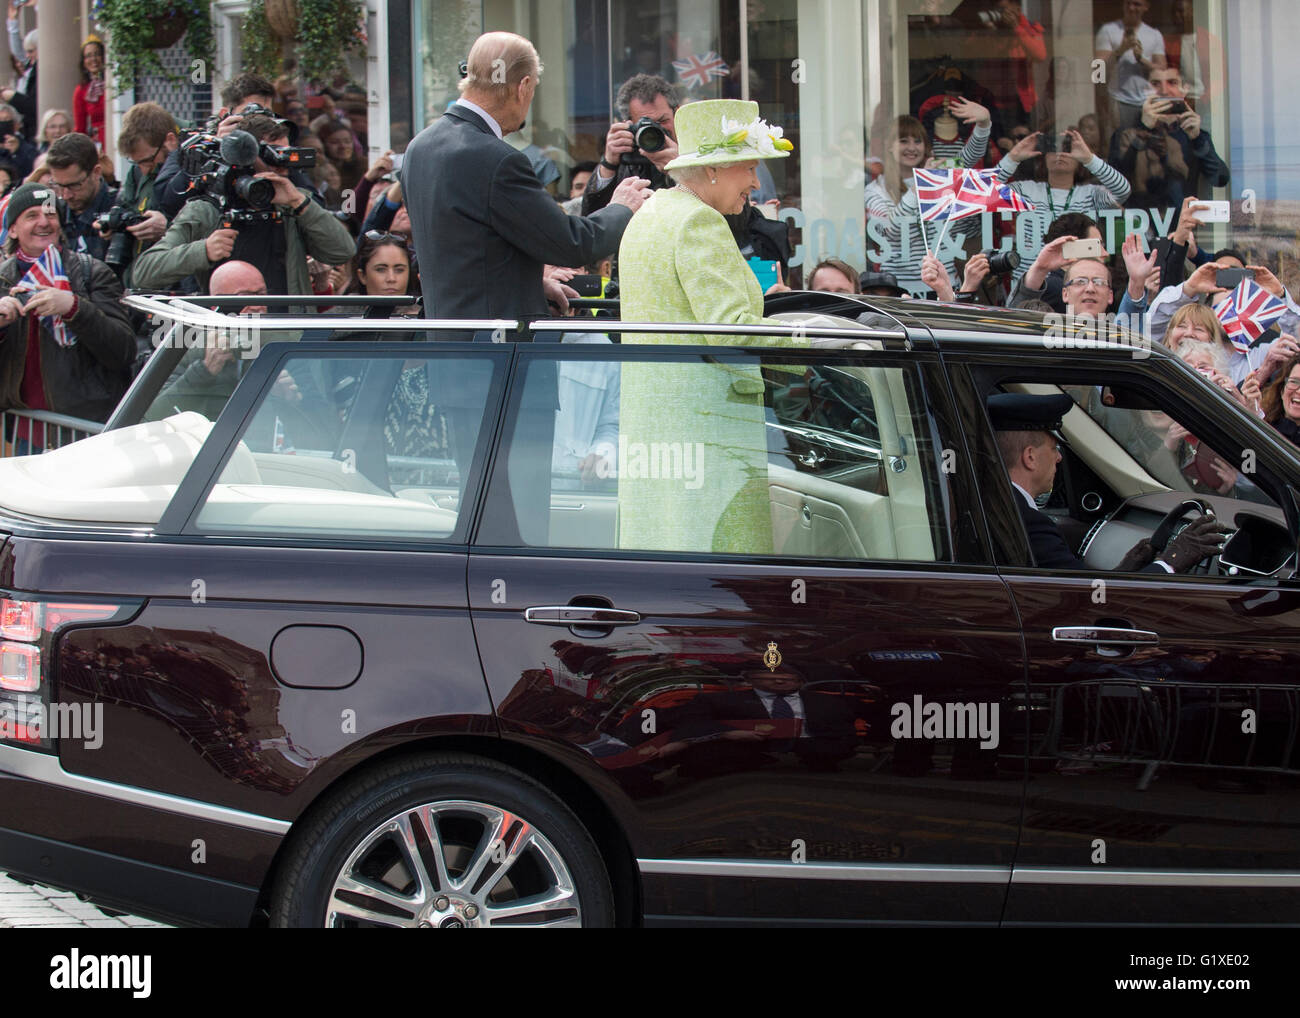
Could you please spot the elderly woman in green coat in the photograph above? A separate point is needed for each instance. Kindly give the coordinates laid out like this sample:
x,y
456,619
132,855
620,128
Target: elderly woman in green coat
x,y
693,443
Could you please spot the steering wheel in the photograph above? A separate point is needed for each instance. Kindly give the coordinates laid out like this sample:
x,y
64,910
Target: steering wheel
x,y
1165,531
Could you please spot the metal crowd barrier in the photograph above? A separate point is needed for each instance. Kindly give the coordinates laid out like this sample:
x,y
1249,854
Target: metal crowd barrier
x,y
1175,724
42,431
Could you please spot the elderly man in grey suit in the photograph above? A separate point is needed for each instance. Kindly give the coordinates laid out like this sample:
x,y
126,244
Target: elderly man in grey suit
x,y
481,220
484,230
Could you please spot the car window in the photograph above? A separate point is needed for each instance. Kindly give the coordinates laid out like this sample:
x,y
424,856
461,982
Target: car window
x,y
830,458
211,367
372,446
1168,450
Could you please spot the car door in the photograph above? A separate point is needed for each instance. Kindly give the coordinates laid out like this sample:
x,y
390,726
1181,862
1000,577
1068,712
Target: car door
x,y
729,531
1162,764
314,553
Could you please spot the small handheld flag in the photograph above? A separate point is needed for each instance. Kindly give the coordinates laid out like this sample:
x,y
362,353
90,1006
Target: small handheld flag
x,y
1248,312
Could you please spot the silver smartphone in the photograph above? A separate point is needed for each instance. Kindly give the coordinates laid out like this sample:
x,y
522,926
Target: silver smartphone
x,y
1090,248
1212,211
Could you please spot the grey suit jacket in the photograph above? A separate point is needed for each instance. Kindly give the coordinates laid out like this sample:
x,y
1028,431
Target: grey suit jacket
x,y
484,226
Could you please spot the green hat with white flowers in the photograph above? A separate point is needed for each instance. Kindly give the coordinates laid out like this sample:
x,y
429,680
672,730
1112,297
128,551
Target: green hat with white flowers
x,y
712,132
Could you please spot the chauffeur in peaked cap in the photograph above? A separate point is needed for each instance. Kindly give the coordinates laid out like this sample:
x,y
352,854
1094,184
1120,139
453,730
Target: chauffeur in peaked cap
x,y
1023,426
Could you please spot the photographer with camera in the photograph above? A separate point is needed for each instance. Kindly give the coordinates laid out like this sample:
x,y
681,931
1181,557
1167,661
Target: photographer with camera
x,y
1044,279
246,209
1067,177
15,149
1166,154
148,139
241,92
640,144
77,178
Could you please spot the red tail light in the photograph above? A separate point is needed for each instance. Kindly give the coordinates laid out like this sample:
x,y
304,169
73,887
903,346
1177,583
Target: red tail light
x,y
27,633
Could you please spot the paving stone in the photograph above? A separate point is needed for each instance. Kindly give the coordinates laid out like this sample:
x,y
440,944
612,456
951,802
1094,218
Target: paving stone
x,y
24,906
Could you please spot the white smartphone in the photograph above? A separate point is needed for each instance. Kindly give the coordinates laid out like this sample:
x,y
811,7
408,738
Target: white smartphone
x,y
1212,211
397,162
1090,248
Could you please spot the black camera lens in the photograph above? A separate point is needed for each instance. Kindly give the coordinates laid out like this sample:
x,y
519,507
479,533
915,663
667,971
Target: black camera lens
x,y
648,136
256,191
1002,261
121,250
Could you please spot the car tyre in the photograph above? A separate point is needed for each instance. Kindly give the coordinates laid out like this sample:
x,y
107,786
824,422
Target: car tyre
x,y
442,841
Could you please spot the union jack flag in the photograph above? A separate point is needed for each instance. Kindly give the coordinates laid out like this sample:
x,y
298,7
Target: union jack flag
x,y
47,272
957,193
696,70
1248,312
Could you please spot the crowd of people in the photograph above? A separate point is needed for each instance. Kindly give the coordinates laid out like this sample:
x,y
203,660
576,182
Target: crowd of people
x,y
344,225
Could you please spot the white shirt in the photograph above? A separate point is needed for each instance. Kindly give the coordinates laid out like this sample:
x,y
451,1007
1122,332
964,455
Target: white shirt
x,y
1034,505
587,420
491,121
1190,60
1130,84
1028,497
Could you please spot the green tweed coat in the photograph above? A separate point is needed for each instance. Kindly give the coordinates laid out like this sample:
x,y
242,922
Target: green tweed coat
x,y
692,435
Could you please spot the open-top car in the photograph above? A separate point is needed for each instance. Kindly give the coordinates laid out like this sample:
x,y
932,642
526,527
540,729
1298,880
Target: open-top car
x,y
385,627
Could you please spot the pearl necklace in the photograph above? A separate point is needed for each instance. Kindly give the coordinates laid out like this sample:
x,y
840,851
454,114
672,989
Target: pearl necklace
x,y
683,187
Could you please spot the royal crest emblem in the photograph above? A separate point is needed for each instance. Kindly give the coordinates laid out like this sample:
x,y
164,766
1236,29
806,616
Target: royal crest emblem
x,y
772,658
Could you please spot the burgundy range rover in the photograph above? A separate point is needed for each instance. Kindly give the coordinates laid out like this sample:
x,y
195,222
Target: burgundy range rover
x,y
379,629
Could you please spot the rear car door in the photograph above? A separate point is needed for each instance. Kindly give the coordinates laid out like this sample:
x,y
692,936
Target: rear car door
x,y
313,555
745,599
1163,757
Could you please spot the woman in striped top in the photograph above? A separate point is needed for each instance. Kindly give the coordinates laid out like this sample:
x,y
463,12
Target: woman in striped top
x,y
1060,185
891,197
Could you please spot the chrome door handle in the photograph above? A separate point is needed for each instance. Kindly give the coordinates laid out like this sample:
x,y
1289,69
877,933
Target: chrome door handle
x,y
1106,634
578,615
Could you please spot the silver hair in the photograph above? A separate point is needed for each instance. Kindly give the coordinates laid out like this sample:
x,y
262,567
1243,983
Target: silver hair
x,y
497,62
8,112
687,174
1218,356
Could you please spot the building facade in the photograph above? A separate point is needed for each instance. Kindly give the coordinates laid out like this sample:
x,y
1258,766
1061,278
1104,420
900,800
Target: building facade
x,y
835,74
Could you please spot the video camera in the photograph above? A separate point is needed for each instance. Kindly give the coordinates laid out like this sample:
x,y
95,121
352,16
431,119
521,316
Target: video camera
x,y
221,170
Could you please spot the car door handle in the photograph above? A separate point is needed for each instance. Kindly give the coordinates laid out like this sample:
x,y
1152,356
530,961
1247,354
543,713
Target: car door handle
x,y
579,615
1106,635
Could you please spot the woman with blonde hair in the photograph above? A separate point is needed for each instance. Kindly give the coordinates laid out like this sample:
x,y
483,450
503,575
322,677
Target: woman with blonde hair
x,y
1198,322
54,125
891,198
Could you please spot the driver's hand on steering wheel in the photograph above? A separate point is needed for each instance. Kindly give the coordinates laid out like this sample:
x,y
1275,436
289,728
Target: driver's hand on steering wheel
x,y
1200,539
